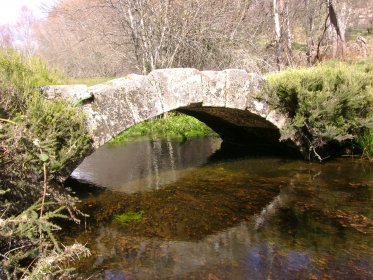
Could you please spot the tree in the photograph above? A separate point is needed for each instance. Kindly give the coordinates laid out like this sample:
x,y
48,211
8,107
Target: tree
x,y
73,38
23,35
178,33
311,11
334,34
283,33
5,37
20,35
116,37
147,34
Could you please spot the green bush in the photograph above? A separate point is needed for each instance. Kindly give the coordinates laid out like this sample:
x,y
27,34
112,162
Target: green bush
x,y
35,131
329,106
38,138
19,76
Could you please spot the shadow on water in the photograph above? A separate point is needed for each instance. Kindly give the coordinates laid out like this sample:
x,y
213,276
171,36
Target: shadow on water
x,y
238,218
233,151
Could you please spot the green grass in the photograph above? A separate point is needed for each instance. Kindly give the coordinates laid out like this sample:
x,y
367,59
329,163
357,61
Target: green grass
x,y
57,126
365,141
24,73
174,126
128,217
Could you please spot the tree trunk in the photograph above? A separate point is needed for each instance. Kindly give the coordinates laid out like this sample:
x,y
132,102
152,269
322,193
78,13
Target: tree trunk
x,y
310,12
276,17
336,26
342,21
289,50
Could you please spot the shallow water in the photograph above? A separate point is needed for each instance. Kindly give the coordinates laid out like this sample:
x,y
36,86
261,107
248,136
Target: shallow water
x,y
242,218
113,166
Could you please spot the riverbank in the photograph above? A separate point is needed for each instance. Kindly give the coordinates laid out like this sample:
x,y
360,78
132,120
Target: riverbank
x,y
329,107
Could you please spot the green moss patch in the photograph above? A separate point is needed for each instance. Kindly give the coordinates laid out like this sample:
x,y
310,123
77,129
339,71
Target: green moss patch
x,y
129,217
174,126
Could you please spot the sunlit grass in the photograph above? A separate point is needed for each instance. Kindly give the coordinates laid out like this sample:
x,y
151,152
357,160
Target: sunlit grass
x,y
173,126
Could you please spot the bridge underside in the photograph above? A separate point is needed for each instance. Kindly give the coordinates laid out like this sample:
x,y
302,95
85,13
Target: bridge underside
x,y
242,128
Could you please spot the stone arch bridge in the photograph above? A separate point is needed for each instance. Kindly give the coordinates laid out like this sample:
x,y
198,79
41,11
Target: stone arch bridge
x,y
231,102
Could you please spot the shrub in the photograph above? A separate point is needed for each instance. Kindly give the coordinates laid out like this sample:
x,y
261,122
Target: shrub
x,y
329,106
38,138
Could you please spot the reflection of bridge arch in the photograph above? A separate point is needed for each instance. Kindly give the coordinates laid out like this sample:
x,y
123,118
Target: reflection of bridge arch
x,y
228,101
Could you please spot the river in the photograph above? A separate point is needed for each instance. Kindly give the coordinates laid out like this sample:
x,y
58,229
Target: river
x,y
215,214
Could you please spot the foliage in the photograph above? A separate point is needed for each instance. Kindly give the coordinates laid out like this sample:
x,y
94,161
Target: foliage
x,y
24,73
38,138
171,126
18,78
129,217
328,106
34,239
365,141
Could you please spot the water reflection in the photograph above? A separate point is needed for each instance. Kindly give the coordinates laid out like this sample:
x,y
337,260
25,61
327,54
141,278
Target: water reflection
x,y
262,218
151,163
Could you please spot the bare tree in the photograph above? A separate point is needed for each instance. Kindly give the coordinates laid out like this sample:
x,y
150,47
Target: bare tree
x,y
146,34
114,37
20,34
311,8
283,33
334,34
5,37
276,15
72,38
288,34
178,33
22,30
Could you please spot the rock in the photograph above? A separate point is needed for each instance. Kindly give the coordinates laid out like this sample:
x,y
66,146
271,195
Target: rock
x,y
72,93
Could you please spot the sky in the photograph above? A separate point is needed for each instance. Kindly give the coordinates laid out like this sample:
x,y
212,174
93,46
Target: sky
x,y
10,9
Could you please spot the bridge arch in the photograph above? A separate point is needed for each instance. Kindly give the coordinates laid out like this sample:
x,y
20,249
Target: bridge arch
x,y
231,102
